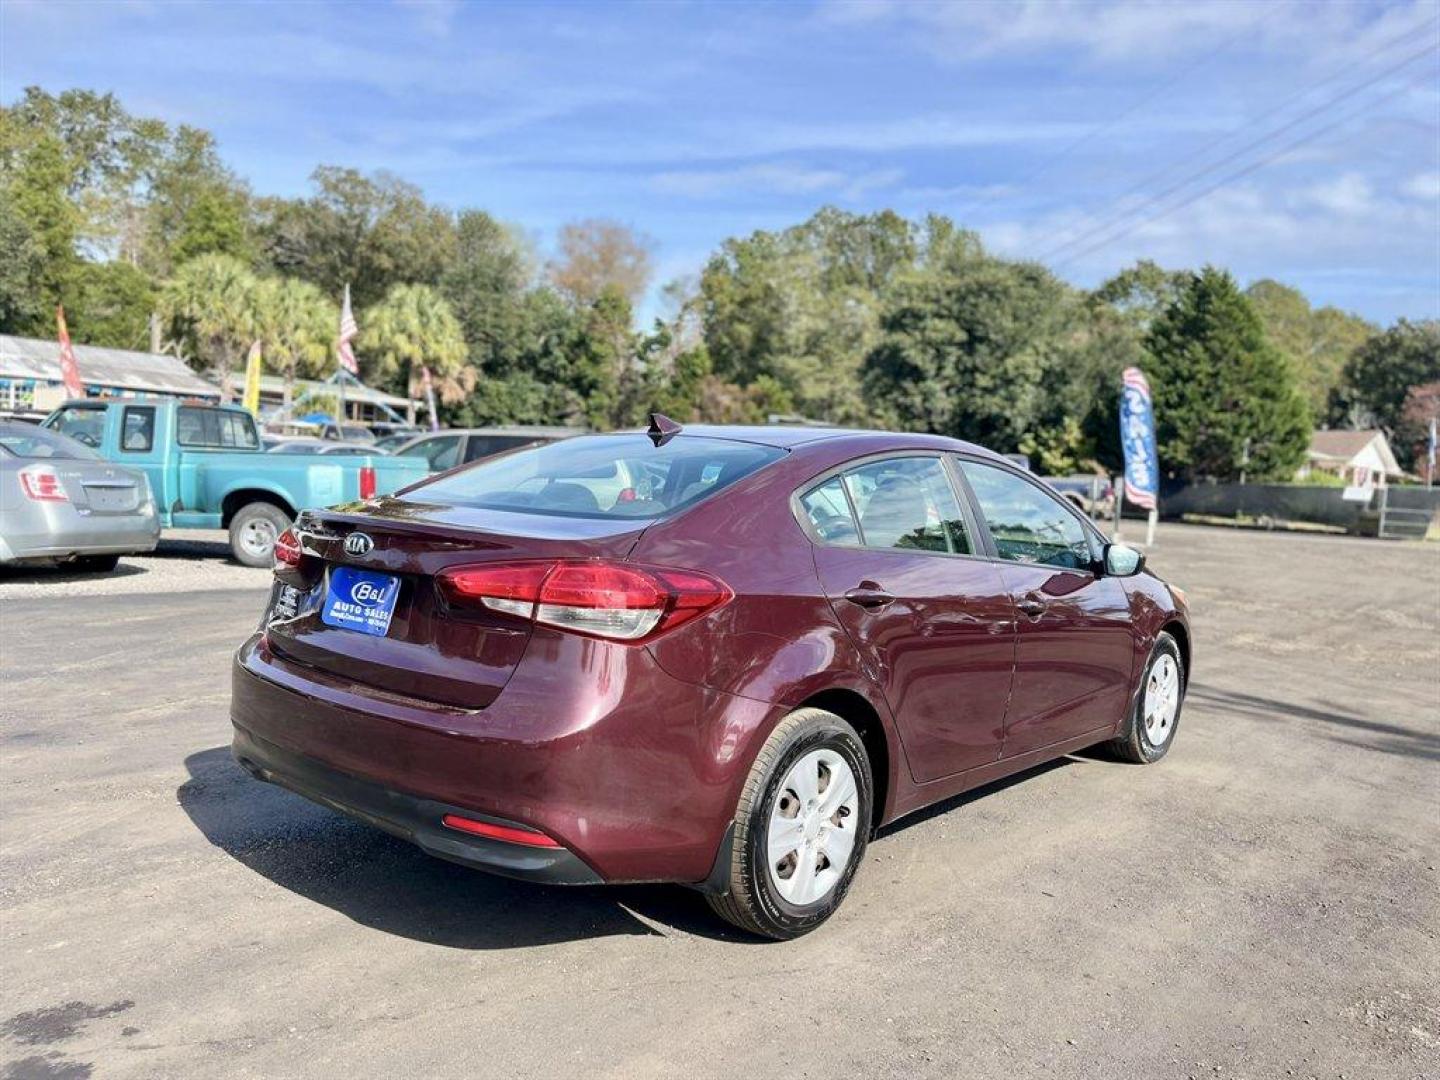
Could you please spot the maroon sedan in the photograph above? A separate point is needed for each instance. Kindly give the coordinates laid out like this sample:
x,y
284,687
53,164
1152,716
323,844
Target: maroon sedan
x,y
721,656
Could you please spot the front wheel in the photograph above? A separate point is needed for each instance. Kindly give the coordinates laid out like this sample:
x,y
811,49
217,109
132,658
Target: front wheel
x,y
1150,728
800,827
253,532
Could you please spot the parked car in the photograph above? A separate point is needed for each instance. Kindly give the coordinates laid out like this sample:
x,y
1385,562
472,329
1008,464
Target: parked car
x,y
351,433
445,449
320,446
61,502
207,470
1090,494
728,673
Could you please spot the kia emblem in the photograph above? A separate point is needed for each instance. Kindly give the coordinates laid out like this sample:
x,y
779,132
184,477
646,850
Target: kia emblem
x,y
357,543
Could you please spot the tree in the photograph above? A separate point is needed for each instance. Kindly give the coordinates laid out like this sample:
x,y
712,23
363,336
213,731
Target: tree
x,y
1412,433
296,325
110,304
370,232
979,349
38,223
411,327
1380,374
211,306
1142,293
1223,392
598,256
1317,340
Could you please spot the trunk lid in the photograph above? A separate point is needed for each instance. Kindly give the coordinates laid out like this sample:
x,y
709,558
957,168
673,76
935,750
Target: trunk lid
x,y
431,651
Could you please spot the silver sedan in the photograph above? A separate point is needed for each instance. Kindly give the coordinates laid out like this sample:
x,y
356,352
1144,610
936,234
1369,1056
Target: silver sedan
x,y
61,502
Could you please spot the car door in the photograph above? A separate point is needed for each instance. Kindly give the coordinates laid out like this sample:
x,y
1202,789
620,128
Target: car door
x,y
930,617
1074,649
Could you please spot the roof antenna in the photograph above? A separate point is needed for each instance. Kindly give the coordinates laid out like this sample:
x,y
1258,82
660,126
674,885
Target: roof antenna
x,y
662,429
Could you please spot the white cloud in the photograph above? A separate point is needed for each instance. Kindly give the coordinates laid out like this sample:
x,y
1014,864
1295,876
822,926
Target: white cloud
x,y
784,179
436,17
1422,186
1348,195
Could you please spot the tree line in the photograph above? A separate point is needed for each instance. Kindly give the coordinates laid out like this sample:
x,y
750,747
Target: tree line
x,y
138,227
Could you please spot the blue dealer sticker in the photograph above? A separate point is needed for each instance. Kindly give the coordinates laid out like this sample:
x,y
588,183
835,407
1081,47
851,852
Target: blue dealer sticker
x,y
360,600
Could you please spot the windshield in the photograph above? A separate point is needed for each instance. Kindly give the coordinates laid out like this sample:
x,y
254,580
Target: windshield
x,y
33,442
601,476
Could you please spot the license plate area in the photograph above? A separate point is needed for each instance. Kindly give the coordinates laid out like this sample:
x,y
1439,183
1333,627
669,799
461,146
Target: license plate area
x,y
360,600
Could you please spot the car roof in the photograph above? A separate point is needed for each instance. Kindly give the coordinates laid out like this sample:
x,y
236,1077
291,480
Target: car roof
x,y
787,437
532,431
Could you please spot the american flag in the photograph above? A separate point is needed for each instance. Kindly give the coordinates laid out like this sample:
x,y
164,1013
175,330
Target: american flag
x,y
348,330
69,369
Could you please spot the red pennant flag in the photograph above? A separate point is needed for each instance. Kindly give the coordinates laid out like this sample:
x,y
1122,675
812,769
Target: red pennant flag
x,y
69,370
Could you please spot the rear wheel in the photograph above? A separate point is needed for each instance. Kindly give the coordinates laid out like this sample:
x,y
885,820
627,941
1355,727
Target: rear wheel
x,y
1150,729
253,532
800,827
96,564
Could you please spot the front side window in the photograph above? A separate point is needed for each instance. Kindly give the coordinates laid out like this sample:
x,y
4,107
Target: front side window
x,y
440,453
905,503
601,476
82,423
1027,524
137,429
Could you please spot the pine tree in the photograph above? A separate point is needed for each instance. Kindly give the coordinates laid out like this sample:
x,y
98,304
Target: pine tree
x,y
1222,389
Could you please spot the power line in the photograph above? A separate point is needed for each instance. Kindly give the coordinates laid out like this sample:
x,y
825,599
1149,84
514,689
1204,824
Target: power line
x,y
1152,94
1105,222
1246,171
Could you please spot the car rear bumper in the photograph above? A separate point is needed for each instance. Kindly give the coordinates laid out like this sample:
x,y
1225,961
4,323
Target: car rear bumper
x,y
415,819
634,773
99,534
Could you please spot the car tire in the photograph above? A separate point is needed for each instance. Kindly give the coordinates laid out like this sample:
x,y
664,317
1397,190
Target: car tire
x,y
96,564
804,888
253,532
1149,731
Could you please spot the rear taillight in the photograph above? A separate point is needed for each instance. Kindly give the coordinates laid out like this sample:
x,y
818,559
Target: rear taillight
x,y
610,600
367,481
288,552
511,834
42,483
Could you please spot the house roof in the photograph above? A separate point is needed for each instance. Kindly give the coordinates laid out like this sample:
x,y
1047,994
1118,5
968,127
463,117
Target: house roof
x,y
37,358
275,384
1345,446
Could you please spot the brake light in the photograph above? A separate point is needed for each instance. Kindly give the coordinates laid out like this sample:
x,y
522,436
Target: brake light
x,y
288,552
367,481
42,484
617,601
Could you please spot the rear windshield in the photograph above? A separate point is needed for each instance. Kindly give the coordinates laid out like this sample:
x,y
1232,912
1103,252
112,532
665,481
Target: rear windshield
x,y
34,442
601,476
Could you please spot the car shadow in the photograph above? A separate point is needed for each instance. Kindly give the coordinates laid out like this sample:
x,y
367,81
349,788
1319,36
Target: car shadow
x,y
965,798
386,883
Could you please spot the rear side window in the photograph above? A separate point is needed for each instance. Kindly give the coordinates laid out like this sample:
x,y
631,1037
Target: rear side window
x,y
483,446
601,476
215,429
137,429
905,502
440,453
1027,524
25,441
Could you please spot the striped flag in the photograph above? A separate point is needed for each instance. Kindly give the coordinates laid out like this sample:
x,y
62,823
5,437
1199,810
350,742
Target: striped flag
x,y
348,330
69,369
1137,437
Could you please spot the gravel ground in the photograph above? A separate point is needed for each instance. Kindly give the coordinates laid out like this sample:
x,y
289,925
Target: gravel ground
x,y
1261,904
186,559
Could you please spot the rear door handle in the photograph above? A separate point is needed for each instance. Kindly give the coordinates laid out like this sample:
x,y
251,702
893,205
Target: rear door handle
x,y
869,598
1031,605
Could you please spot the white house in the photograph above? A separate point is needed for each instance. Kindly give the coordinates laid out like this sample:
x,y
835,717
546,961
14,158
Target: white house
x,y
1363,458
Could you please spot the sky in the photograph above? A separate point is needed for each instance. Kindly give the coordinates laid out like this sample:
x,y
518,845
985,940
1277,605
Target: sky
x,y
1298,141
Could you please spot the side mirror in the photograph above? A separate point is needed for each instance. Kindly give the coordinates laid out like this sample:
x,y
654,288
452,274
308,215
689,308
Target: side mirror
x,y
1122,561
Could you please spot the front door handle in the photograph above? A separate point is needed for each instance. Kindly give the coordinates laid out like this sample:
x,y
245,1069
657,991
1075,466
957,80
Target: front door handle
x,y
1031,605
869,598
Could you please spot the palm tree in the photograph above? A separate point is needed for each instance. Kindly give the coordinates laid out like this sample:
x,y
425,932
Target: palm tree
x,y
211,299
414,325
295,323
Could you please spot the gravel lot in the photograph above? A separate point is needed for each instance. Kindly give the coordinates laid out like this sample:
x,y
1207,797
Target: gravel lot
x,y
1264,903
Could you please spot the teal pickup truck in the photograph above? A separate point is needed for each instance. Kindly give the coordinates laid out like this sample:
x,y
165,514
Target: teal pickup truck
x,y
207,469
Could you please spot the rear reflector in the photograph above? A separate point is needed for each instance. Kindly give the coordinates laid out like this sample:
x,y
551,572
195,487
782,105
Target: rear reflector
x,y
42,484
508,833
618,601
367,481
288,552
